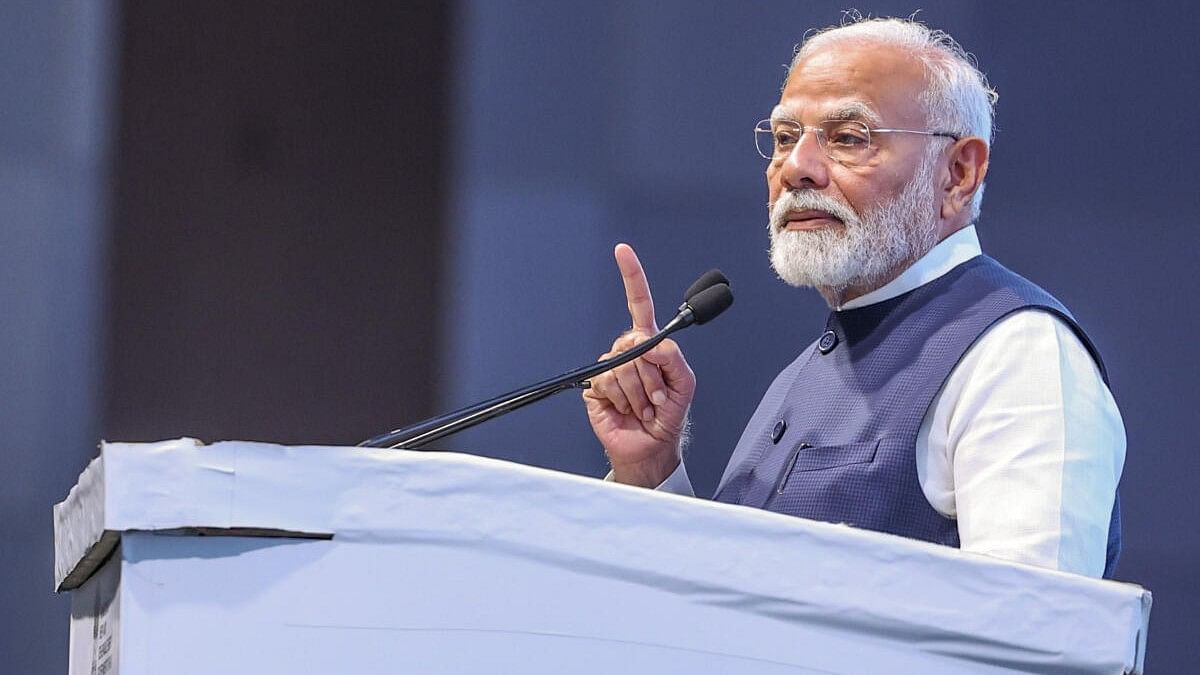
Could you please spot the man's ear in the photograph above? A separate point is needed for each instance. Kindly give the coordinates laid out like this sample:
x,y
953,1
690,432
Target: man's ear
x,y
968,166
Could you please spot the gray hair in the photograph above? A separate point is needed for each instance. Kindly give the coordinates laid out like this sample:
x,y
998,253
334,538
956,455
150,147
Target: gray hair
x,y
958,98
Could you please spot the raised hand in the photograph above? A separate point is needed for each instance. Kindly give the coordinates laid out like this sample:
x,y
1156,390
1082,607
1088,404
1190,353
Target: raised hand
x,y
639,410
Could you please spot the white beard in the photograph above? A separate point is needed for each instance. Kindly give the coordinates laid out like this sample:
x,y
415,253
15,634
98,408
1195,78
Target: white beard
x,y
871,246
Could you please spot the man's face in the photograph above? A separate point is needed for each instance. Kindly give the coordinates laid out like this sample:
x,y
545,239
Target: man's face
x,y
853,225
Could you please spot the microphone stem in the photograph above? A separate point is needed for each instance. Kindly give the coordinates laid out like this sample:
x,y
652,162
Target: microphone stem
x,y
416,435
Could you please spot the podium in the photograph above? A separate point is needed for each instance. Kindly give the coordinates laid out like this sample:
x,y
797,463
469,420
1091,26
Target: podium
x,y
241,557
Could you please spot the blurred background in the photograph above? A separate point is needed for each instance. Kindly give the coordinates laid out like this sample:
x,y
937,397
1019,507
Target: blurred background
x,y
310,222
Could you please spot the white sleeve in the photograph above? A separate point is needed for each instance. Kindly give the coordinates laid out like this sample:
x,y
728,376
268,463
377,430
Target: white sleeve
x,y
1026,446
678,483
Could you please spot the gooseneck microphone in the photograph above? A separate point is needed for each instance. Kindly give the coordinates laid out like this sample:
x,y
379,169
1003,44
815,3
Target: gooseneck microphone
x,y
703,301
706,280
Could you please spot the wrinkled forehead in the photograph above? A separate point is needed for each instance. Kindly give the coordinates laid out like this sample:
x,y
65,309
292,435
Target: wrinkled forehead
x,y
874,83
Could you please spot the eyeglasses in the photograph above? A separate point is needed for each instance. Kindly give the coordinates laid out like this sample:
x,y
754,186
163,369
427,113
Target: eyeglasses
x,y
844,141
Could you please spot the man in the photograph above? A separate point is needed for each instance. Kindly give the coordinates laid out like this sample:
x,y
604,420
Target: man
x,y
949,399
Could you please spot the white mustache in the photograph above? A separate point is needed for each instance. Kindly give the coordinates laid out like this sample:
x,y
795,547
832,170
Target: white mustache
x,y
804,200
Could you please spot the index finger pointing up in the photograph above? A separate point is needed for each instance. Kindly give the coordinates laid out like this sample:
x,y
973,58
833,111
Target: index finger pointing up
x,y
637,289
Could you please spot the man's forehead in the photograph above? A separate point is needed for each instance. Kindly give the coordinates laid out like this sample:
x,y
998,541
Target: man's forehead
x,y
871,82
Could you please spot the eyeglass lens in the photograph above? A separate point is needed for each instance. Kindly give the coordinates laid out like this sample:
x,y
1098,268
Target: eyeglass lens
x,y
843,140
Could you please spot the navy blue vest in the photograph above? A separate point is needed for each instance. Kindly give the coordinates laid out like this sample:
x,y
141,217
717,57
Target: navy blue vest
x,y
834,437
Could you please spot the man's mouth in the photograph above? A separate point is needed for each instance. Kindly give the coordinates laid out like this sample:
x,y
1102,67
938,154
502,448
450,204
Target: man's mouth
x,y
810,219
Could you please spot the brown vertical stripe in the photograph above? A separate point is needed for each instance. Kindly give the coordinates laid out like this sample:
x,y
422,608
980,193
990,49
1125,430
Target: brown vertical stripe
x,y
277,219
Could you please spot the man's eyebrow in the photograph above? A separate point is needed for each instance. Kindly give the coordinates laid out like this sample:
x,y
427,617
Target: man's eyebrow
x,y
780,113
854,110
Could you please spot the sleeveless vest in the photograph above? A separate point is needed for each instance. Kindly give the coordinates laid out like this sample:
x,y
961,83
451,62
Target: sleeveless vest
x,y
834,438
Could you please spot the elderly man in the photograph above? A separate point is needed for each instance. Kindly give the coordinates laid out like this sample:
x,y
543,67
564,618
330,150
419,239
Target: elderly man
x,y
948,399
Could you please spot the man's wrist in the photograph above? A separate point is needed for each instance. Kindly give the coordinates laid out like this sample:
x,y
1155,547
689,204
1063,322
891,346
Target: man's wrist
x,y
648,474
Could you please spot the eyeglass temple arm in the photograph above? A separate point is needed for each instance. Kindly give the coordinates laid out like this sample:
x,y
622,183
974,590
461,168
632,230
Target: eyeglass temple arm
x,y
947,134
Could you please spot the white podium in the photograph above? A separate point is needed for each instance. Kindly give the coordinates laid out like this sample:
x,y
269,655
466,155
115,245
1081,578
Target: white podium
x,y
237,557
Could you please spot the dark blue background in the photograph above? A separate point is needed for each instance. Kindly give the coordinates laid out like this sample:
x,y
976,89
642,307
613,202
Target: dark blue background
x,y
575,125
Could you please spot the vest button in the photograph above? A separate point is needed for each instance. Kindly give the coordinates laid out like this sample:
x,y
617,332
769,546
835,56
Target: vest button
x,y
777,432
827,342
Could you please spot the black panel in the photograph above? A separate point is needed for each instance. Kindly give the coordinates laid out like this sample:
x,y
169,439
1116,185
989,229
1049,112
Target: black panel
x,y
277,219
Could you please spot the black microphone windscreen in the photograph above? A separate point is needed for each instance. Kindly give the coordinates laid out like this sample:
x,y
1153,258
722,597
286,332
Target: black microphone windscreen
x,y
706,280
710,302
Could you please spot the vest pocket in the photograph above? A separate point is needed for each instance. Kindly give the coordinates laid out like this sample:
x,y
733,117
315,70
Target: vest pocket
x,y
810,458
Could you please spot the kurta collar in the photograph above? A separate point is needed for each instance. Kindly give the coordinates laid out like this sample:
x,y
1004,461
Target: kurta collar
x,y
948,254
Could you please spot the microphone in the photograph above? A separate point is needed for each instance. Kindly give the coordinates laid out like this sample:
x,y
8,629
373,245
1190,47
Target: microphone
x,y
709,278
706,298
705,305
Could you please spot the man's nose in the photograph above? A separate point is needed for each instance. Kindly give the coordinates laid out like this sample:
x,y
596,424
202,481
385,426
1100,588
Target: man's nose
x,y
806,166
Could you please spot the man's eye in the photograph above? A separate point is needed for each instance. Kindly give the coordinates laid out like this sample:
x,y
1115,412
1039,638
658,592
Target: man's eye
x,y
848,139
786,139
